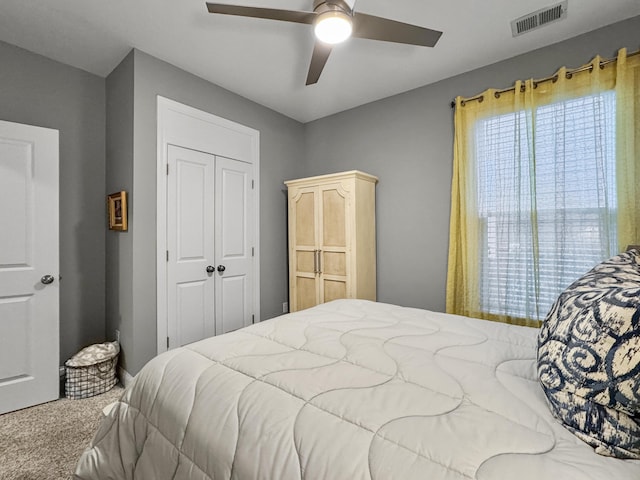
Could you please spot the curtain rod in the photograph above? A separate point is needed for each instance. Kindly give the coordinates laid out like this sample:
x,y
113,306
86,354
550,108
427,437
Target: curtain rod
x,y
553,78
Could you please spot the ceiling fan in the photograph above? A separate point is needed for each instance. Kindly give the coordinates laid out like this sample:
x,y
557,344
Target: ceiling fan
x,y
334,21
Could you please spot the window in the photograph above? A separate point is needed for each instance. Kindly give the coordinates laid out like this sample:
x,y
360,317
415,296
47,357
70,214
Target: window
x,y
545,185
546,201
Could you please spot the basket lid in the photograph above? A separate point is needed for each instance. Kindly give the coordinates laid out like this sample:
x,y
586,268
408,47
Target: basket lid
x,y
93,354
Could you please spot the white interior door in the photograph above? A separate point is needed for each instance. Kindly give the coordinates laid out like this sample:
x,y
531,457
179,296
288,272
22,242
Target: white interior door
x,y
234,244
29,296
190,210
210,245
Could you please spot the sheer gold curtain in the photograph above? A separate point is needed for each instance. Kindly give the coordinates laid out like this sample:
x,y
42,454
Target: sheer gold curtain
x,y
545,184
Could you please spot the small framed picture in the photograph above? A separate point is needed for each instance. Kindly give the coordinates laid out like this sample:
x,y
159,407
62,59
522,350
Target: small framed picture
x,y
117,211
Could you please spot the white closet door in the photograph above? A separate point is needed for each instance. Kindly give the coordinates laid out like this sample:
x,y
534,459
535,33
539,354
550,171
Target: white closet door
x,y
234,244
210,245
29,266
190,221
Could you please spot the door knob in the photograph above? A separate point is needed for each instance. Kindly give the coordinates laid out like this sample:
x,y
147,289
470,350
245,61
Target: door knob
x,y
211,269
221,268
47,279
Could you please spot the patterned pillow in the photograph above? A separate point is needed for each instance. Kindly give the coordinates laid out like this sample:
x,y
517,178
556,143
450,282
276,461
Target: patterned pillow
x,y
589,357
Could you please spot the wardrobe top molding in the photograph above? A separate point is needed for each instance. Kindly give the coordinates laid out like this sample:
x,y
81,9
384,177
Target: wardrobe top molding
x,y
334,176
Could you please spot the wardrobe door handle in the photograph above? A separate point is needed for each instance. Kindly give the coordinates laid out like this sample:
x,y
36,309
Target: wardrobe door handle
x,y
319,261
315,261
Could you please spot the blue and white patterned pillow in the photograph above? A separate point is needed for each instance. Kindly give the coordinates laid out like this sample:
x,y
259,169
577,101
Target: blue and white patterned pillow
x,y
589,357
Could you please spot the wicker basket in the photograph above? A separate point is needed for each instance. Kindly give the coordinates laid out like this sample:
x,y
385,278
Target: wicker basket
x,y
92,370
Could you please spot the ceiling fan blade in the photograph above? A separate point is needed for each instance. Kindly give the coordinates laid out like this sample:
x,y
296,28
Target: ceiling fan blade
x,y
319,58
377,28
268,13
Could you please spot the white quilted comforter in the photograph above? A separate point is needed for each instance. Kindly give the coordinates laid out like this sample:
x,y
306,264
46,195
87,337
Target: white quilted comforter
x,y
347,390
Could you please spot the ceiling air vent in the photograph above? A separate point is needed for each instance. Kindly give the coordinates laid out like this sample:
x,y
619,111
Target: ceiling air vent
x,y
539,18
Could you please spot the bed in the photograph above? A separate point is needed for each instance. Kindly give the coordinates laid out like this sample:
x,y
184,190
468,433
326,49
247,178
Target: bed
x,y
350,389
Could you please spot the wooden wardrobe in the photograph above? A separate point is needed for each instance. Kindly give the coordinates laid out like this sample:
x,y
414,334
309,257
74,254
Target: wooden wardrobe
x,y
332,238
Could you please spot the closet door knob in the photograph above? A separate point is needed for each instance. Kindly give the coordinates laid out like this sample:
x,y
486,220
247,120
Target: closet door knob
x,y
221,268
47,279
210,269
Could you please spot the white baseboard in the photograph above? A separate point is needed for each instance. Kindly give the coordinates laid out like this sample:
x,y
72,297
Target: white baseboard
x,y
125,377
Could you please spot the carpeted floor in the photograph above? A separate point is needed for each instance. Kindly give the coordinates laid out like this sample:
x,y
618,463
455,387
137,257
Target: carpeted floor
x,y
45,441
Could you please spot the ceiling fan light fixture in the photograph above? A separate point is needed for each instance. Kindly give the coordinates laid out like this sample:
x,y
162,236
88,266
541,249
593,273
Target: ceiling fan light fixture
x,y
333,27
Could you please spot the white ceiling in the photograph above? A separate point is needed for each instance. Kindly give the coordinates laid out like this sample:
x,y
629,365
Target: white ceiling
x,y
267,61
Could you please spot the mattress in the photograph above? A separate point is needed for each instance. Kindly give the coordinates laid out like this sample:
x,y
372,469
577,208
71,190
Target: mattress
x,y
350,389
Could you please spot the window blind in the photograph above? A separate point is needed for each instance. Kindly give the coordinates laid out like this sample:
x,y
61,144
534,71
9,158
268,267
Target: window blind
x,y
546,201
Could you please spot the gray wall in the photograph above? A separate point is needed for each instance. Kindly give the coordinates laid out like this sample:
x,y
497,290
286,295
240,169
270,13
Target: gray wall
x,y
119,176
37,91
407,141
281,157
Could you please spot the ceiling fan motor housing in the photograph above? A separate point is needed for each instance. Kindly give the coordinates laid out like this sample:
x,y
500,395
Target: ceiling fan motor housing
x,y
322,6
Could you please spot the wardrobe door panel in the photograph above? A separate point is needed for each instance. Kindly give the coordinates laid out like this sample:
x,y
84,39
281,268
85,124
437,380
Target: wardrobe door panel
x,y
305,261
334,263
334,289
306,292
305,227
334,219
